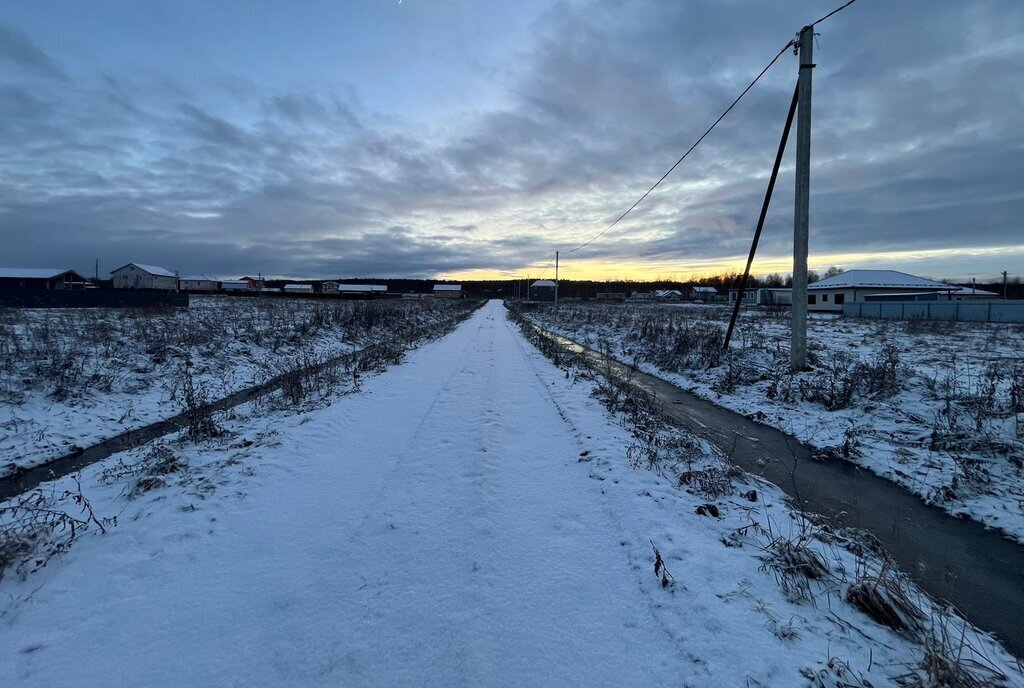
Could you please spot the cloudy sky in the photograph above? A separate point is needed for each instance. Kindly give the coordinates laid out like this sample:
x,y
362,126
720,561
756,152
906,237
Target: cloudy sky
x,y
473,138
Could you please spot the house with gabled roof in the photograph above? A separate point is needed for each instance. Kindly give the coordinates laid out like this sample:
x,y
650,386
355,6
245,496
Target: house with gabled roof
x,y
198,283
140,276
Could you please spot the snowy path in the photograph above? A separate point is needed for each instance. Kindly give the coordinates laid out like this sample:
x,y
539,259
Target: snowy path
x,y
419,533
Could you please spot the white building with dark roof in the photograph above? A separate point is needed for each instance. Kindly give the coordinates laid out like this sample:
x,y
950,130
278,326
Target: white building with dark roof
x,y
853,286
139,276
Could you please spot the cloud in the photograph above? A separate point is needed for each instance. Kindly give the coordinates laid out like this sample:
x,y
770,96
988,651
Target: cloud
x,y
916,145
18,50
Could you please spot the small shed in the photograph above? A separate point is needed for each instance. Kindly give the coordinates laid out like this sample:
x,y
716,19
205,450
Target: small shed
x,y
140,276
448,291
198,283
543,290
41,278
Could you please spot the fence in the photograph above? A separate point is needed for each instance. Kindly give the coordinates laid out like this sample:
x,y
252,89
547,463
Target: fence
x,y
965,311
91,298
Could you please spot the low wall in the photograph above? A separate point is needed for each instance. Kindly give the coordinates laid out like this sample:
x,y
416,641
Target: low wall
x,y
962,311
91,298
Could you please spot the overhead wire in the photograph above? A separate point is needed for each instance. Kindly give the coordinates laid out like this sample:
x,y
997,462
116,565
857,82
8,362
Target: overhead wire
x,y
544,272
835,11
702,136
687,153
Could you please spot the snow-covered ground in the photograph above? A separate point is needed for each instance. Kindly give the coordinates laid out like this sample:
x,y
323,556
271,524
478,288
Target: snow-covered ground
x,y
935,407
470,517
72,377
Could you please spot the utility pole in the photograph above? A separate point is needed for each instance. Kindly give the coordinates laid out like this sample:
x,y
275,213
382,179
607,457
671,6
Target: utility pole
x,y
801,220
556,280
1004,285
96,276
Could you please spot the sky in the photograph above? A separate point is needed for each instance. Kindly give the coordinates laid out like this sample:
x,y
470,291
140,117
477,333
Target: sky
x,y
474,138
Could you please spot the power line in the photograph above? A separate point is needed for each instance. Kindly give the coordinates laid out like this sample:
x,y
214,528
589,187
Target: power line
x,y
544,272
704,135
688,151
835,11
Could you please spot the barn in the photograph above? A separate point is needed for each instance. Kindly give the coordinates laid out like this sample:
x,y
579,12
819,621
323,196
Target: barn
x,y
139,276
41,278
852,286
198,283
448,291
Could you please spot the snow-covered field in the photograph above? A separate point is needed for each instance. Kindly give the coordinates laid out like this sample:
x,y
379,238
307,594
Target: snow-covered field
x,y
71,377
470,517
935,407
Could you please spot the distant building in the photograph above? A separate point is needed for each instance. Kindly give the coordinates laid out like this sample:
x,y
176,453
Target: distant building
x,y
764,296
254,283
41,278
329,287
611,296
668,294
971,294
198,283
542,290
852,286
704,294
448,291
749,296
139,276
363,289
297,289
642,296
235,285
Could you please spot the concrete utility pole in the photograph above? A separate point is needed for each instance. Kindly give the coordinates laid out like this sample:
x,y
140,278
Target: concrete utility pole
x,y
1004,285
798,347
556,280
